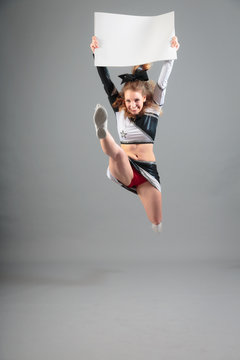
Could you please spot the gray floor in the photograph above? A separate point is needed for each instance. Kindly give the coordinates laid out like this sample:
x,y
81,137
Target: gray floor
x,y
90,311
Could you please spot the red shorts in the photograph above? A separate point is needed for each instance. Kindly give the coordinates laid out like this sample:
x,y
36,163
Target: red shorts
x,y
137,179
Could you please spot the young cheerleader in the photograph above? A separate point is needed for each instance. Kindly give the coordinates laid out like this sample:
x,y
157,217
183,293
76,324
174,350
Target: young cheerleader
x,y
137,108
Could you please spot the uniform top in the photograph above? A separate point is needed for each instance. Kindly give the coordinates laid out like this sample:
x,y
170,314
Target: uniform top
x,y
141,129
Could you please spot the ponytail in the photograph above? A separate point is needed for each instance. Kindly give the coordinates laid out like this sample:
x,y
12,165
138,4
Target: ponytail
x,y
143,67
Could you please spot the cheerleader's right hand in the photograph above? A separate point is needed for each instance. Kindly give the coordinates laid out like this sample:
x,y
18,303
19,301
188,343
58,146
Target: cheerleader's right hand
x,y
94,44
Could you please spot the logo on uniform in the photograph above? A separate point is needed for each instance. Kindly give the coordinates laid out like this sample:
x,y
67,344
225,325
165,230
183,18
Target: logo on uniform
x,y
123,134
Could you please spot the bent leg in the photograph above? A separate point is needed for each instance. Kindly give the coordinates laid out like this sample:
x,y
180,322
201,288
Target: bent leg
x,y
151,199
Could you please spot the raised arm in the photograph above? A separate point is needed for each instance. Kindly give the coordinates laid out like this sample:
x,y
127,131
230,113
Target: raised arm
x,y
103,72
108,85
160,88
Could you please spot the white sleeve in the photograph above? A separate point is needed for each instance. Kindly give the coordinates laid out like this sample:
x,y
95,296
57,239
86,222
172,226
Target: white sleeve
x,y
160,88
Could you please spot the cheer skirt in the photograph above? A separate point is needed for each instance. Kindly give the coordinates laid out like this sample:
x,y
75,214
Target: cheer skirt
x,y
147,168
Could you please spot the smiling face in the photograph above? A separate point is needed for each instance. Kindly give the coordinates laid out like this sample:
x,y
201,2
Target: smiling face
x,y
134,101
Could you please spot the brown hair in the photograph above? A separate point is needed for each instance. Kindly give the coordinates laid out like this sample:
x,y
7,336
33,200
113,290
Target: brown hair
x,y
145,87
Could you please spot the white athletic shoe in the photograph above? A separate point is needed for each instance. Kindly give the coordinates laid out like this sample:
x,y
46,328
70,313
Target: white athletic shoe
x,y
157,228
100,120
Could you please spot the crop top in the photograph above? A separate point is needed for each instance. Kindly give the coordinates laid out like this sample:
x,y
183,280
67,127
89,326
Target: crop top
x,y
143,128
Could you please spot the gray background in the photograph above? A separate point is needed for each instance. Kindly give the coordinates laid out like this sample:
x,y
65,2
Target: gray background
x,y
56,202
78,257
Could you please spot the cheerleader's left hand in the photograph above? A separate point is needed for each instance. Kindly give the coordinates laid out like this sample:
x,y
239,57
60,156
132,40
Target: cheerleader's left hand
x,y
174,43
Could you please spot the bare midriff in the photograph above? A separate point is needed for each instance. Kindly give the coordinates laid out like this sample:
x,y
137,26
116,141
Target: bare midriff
x,y
141,152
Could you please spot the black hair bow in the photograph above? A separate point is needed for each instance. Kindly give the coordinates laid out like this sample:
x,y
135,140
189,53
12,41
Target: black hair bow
x,y
138,75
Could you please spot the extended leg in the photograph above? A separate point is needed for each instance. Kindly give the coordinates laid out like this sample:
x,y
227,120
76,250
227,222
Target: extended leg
x,y
118,161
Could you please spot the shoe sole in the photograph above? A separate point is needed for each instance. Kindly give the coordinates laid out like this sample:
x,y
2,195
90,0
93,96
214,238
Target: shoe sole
x,y
100,118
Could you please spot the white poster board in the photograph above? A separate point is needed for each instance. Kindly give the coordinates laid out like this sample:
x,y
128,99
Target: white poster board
x,y
126,40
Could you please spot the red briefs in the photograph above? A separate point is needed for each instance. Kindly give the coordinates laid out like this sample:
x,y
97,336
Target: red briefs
x,y
137,179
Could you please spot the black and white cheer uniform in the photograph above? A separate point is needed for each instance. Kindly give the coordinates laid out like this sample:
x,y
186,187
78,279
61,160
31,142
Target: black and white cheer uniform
x,y
142,129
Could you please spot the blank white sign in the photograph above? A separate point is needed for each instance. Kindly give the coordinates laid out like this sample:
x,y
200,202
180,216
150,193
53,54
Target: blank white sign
x,y
127,40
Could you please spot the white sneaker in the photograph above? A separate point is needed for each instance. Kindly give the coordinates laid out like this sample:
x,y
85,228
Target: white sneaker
x,y
100,120
157,228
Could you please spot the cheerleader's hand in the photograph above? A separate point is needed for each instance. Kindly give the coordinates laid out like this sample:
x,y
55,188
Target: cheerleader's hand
x,y
174,43
94,44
